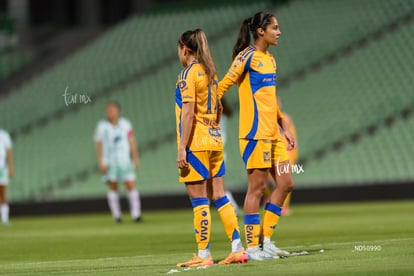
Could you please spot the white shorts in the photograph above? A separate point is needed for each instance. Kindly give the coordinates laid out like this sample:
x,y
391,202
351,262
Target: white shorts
x,y
4,176
120,173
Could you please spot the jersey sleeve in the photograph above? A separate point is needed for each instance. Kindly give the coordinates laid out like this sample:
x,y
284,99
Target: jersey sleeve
x,y
187,85
239,66
98,135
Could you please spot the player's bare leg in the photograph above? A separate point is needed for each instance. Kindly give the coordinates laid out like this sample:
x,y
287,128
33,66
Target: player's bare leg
x,y
273,209
257,179
284,184
4,206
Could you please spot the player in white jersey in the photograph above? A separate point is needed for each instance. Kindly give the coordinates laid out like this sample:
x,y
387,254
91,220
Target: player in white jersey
x,y
115,144
6,172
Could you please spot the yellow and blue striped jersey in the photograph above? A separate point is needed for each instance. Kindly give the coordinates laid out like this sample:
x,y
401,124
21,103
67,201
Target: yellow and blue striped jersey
x,y
193,86
255,73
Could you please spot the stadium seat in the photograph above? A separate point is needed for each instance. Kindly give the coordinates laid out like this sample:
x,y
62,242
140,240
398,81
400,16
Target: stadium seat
x,y
327,105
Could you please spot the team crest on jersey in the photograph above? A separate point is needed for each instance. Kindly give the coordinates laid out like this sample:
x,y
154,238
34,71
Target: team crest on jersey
x,y
266,156
239,60
182,85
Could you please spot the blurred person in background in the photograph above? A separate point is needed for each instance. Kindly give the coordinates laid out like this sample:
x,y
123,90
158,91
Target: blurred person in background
x,y
115,145
6,172
293,158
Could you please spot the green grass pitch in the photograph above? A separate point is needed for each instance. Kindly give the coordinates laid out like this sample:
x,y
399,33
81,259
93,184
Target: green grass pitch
x,y
368,238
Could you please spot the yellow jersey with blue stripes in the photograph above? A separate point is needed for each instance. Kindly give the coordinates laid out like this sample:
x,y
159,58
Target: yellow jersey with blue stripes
x,y
255,73
193,86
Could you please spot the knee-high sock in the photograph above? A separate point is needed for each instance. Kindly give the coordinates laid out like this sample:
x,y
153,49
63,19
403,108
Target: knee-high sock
x,y
202,225
4,213
134,203
229,220
252,229
270,219
114,205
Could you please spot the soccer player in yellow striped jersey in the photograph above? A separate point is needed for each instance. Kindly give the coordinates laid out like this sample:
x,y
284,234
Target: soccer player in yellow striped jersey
x,y
200,156
261,146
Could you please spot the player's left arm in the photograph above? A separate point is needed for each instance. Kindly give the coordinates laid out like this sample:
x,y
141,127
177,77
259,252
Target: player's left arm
x,y
134,149
187,120
219,110
10,164
284,124
188,94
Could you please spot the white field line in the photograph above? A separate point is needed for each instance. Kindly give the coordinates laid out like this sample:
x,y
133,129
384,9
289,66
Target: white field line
x,y
319,245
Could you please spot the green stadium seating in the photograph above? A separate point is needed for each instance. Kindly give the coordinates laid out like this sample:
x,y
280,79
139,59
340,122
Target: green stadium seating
x,y
384,157
312,29
327,105
12,60
130,48
355,92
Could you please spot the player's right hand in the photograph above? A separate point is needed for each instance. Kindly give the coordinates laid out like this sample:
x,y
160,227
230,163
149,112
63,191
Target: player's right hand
x,y
182,159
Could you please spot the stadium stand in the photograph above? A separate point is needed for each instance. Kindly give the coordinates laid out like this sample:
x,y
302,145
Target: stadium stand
x,y
12,60
354,92
314,29
136,93
382,157
120,54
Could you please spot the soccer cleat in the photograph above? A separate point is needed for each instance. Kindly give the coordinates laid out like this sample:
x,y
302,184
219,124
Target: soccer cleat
x,y
118,220
197,261
138,219
270,248
236,258
256,254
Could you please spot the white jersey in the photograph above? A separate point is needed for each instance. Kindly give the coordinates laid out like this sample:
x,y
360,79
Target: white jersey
x,y
114,139
5,144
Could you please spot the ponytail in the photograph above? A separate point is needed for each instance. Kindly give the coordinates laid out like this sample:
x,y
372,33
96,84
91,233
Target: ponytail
x,y
250,25
243,39
196,42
